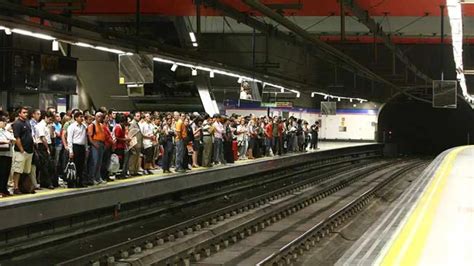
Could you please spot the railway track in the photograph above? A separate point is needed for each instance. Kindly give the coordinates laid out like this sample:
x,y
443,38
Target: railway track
x,y
288,253
283,178
200,237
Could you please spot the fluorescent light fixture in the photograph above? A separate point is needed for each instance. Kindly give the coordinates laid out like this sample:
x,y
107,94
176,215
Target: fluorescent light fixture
x,y
350,99
128,53
55,45
468,71
166,61
105,49
83,44
174,67
211,74
194,72
32,34
195,44
192,36
326,97
239,80
8,32
338,99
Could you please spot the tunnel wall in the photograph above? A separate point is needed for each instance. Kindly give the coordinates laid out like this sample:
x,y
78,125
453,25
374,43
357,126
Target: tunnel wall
x,y
418,128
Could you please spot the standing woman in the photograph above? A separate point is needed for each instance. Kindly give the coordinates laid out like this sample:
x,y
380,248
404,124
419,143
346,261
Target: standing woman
x,y
242,138
252,129
197,132
121,145
228,138
6,144
167,136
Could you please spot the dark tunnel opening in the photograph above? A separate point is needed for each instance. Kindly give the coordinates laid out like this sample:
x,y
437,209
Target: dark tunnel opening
x,y
417,128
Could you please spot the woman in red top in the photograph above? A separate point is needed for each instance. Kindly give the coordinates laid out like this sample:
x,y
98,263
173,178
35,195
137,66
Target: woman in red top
x,y
121,144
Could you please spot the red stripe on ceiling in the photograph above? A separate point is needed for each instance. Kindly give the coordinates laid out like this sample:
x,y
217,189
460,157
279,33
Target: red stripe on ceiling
x,y
310,7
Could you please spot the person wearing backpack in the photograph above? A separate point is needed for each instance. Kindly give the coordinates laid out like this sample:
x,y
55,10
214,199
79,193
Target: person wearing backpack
x,y
96,136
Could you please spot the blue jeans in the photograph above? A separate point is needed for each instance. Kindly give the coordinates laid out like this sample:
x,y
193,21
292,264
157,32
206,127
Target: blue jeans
x,y
96,161
219,151
268,145
180,155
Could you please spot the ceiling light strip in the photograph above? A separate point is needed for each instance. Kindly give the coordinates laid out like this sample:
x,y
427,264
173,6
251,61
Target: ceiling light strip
x,y
339,98
224,73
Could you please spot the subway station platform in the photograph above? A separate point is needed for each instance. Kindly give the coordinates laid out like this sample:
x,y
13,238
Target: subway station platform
x,y
432,223
48,205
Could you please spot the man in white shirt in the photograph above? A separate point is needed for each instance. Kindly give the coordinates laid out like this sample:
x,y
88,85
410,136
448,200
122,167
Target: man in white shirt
x,y
77,142
42,141
147,129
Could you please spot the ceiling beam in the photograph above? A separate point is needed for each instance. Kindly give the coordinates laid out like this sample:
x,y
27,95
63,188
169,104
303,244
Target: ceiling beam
x,y
258,6
374,27
313,39
270,30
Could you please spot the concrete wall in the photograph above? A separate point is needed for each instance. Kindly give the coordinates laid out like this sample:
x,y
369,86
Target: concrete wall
x,y
98,80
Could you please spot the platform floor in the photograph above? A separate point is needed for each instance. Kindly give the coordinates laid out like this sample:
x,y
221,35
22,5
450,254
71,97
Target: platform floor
x,y
432,223
45,193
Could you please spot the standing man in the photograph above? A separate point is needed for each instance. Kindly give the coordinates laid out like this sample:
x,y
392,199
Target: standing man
x,y
77,141
58,146
181,134
136,144
277,135
96,137
35,116
218,140
23,148
314,136
43,141
207,141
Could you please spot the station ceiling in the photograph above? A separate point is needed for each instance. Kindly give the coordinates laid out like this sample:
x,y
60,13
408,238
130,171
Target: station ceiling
x,y
402,25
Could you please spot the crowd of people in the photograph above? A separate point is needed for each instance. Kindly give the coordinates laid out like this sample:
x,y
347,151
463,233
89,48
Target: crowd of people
x,y
37,146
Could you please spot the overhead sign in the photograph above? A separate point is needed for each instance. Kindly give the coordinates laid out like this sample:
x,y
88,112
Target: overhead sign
x,y
278,105
445,93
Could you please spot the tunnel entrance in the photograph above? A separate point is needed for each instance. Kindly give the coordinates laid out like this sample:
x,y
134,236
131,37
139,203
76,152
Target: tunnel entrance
x,y
416,128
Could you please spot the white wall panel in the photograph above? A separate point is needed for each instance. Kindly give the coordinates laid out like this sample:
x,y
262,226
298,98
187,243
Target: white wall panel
x,y
359,126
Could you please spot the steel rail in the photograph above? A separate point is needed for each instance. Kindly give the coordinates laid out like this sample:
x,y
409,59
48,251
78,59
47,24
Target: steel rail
x,y
319,230
197,223
266,178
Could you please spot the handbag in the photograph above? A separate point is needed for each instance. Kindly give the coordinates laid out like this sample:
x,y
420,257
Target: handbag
x,y
6,146
70,173
114,166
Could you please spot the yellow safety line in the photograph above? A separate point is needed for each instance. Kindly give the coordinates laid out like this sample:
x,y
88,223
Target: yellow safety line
x,y
408,245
